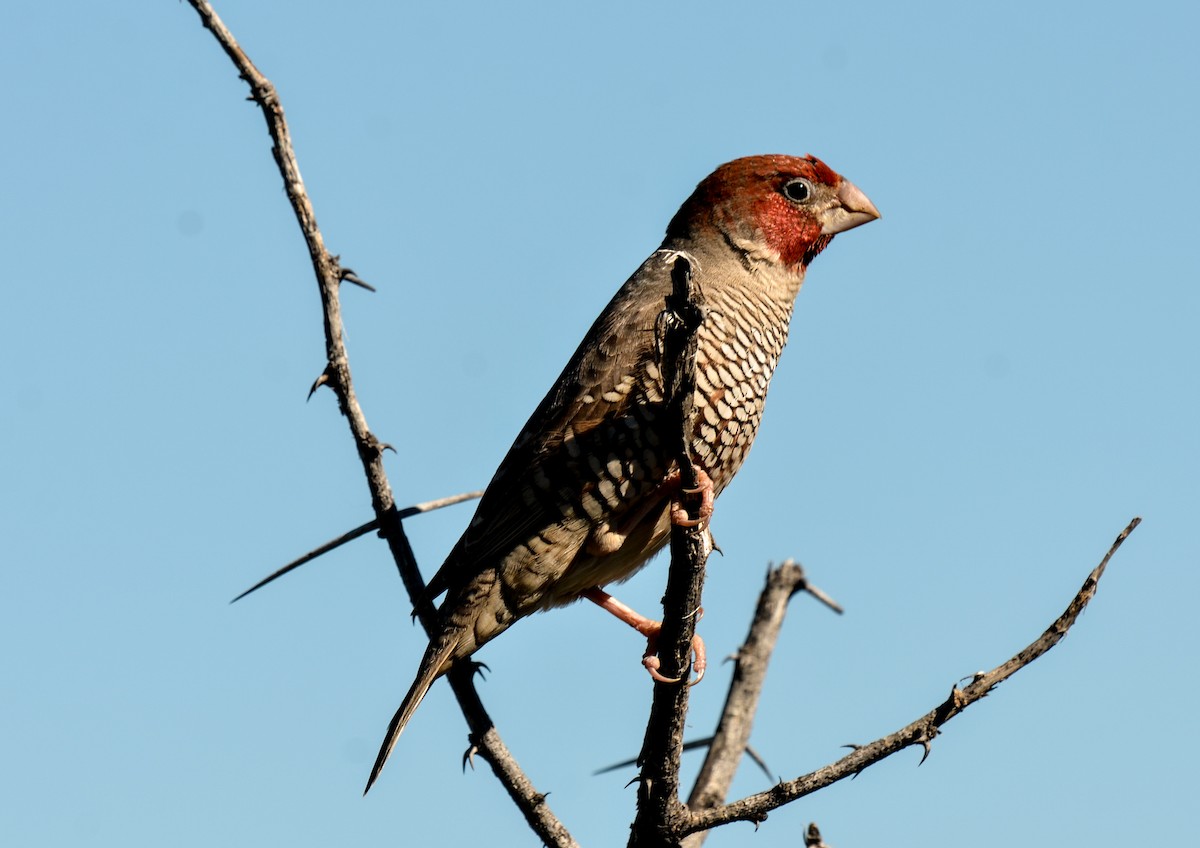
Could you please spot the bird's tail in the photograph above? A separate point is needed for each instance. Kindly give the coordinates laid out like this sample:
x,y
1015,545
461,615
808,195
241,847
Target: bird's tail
x,y
433,665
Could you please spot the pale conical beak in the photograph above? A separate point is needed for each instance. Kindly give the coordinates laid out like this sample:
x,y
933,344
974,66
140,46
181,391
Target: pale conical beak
x,y
853,209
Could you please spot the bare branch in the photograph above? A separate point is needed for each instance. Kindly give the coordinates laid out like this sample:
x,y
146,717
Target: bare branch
x,y
920,732
337,375
750,670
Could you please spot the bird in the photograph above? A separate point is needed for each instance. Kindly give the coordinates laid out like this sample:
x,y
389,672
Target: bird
x,y
584,497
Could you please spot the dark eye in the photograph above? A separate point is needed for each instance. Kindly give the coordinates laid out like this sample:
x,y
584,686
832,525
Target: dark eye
x,y
797,190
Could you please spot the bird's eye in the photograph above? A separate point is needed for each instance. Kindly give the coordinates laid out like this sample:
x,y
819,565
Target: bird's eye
x,y
797,190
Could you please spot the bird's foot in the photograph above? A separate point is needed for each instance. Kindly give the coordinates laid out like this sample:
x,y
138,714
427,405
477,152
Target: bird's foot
x,y
651,629
703,491
699,657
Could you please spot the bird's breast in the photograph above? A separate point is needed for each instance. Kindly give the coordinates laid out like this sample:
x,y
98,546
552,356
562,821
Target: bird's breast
x,y
739,345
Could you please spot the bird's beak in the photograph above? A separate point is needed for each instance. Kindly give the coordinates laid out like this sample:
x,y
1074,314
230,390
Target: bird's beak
x,y
853,208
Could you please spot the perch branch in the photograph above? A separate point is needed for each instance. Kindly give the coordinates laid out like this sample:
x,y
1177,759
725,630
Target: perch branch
x,y
659,808
337,375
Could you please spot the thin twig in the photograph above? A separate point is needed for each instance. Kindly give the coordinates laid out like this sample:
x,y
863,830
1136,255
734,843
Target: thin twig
x,y
336,374
920,732
357,532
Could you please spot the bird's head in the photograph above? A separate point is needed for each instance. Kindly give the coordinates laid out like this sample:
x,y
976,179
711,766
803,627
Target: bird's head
x,y
782,209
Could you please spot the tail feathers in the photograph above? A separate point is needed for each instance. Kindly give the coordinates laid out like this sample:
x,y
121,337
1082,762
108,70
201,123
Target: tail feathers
x,y
433,664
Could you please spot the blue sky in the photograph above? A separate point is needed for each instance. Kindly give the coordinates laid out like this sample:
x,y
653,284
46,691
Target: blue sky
x,y
980,391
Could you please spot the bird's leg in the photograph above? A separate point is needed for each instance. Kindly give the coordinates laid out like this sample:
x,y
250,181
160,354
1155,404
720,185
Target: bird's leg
x,y
607,539
651,630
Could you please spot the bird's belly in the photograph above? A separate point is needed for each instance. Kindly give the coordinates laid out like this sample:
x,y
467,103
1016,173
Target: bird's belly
x,y
589,569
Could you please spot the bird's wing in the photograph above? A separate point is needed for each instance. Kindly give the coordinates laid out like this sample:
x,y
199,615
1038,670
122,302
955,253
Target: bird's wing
x,y
536,490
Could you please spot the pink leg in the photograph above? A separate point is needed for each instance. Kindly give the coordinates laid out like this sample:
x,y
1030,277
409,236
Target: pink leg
x,y
650,629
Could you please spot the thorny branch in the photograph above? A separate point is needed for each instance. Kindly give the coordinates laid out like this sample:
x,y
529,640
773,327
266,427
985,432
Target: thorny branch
x,y
659,807
484,738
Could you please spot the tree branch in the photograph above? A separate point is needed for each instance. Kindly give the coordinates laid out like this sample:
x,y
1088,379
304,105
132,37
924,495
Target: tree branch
x,y
920,732
659,808
336,375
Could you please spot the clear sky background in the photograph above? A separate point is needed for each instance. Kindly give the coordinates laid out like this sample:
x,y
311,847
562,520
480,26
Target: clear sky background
x,y
981,390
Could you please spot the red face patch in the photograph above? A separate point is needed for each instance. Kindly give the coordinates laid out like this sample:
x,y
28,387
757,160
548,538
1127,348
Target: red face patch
x,y
749,191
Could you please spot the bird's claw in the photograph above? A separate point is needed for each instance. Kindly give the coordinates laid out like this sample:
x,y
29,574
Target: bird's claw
x,y
652,664
704,488
698,659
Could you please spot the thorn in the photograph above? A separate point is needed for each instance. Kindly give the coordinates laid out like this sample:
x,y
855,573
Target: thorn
x,y
350,277
317,383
